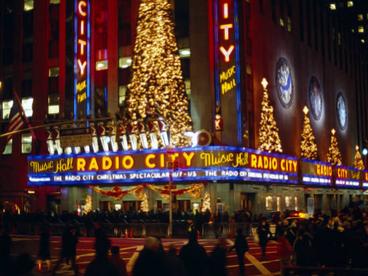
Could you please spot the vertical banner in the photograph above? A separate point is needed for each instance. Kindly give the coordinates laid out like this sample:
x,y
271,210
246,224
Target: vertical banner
x,y
81,58
227,69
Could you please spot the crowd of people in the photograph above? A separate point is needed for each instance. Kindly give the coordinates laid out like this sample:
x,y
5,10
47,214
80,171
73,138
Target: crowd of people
x,y
339,240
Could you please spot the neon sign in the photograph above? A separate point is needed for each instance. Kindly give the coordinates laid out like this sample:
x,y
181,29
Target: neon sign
x,y
316,173
365,180
227,68
347,177
195,164
81,58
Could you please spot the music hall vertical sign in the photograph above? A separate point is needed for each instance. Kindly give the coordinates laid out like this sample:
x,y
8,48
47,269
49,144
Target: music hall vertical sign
x,y
82,58
227,69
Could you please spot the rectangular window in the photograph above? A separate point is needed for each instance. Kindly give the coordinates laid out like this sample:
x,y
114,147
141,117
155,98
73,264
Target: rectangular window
x,y
28,5
301,19
273,10
122,94
315,24
54,72
27,104
53,107
7,105
8,148
309,23
26,143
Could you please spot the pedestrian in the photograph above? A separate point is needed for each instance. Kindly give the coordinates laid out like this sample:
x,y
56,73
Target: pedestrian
x,y
44,249
151,260
174,264
263,232
217,260
117,261
69,241
194,257
101,265
303,249
241,247
284,248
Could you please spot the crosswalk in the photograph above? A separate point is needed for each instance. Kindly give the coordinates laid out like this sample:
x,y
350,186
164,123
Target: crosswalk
x,y
130,248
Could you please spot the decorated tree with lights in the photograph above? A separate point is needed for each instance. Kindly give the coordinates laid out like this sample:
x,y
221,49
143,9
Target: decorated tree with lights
x,y
206,204
308,146
157,83
269,139
334,155
358,160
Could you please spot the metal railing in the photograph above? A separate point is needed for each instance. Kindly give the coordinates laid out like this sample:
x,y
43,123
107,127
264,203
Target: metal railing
x,y
138,229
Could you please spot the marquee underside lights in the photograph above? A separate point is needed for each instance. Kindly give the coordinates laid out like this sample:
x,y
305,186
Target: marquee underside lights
x,y
195,164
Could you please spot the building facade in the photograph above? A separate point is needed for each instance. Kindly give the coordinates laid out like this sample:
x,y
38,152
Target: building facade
x,y
308,55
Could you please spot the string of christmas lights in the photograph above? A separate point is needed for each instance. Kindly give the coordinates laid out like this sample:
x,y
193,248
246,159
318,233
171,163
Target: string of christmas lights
x,y
334,155
269,139
157,87
308,146
358,160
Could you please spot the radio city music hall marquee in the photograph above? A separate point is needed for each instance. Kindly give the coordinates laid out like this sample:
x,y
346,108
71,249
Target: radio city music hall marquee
x,y
194,164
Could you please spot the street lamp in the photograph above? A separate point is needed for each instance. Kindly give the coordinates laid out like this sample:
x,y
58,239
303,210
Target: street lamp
x,y
365,152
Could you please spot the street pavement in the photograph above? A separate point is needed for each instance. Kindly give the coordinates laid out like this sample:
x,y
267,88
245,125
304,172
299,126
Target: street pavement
x,y
129,250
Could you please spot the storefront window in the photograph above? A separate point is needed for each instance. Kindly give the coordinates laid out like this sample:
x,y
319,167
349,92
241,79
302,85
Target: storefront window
x,y
278,205
26,143
268,203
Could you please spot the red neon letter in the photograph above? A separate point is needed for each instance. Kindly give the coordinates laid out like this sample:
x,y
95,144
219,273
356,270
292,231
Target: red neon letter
x,y
82,66
82,27
226,10
82,43
227,53
81,6
226,28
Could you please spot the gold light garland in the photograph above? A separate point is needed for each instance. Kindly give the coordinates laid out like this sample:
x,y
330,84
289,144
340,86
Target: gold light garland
x,y
308,146
157,84
334,155
269,139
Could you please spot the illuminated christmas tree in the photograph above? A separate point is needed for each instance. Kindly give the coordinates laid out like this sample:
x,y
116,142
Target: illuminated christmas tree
x,y
269,139
358,161
206,204
334,155
157,84
144,203
308,146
